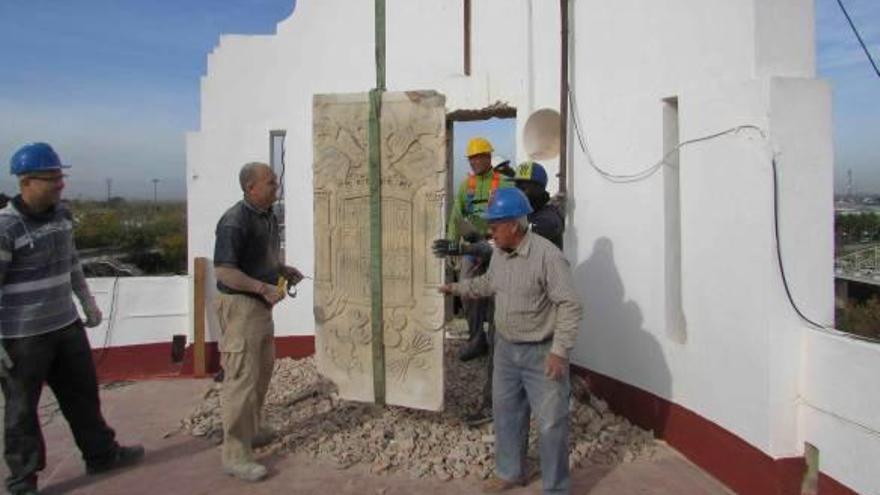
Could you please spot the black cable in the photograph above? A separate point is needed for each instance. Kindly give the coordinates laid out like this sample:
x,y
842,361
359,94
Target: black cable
x,y
650,171
859,37
647,172
105,349
779,249
283,165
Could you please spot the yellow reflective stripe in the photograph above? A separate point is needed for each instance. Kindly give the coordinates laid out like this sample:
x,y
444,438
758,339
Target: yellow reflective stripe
x,y
524,171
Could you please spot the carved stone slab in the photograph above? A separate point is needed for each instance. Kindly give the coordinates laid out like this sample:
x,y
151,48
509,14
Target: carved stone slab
x,y
413,137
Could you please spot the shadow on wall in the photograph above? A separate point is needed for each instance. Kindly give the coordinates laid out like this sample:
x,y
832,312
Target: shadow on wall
x,y
623,354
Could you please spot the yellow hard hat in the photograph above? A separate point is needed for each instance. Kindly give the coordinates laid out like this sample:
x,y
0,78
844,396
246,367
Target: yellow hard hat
x,y
478,146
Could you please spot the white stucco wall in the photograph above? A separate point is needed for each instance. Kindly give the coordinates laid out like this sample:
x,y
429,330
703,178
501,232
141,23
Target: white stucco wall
x,y
260,83
838,407
140,310
738,361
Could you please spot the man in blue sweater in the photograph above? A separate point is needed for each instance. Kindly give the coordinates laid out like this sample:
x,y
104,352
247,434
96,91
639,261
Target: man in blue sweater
x,y
42,336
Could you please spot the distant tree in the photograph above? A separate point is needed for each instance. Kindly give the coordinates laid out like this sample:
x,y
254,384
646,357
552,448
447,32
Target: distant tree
x,y
173,248
861,319
97,228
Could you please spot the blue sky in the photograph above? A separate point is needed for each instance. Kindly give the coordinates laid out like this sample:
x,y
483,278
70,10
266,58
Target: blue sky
x,y
113,84
855,86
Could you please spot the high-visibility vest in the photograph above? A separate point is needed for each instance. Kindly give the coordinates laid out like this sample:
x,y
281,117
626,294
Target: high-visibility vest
x,y
472,189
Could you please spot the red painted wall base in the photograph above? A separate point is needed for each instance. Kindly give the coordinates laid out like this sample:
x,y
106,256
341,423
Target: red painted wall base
x,y
154,360
730,459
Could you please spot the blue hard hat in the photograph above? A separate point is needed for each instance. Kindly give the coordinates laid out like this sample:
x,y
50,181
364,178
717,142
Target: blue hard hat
x,y
34,157
506,204
531,171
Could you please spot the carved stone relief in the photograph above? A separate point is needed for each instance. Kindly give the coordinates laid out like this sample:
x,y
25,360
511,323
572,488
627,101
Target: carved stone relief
x,y
413,146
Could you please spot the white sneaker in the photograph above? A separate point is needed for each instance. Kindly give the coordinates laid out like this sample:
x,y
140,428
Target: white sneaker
x,y
247,471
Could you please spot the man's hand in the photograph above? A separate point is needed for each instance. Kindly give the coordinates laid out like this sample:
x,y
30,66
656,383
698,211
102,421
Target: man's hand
x,y
292,275
556,367
444,247
559,201
445,289
270,294
93,314
6,363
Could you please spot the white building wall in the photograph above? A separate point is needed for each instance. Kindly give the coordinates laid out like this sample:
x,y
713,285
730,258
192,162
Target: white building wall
x,y
736,360
838,407
728,62
140,310
260,83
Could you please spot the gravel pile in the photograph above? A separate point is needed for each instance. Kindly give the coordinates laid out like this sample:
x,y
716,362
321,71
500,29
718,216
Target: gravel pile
x,y
308,417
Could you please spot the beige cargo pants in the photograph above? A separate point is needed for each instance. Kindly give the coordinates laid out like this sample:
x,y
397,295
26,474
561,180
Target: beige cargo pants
x,y
247,354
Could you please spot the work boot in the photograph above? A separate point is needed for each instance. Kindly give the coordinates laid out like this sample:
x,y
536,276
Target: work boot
x,y
479,417
124,456
247,471
263,437
497,485
477,346
28,487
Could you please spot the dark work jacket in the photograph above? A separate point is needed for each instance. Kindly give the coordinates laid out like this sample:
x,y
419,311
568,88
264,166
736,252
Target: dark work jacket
x,y
548,223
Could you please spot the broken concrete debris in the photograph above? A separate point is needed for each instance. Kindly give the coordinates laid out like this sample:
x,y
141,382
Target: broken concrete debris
x,y
308,417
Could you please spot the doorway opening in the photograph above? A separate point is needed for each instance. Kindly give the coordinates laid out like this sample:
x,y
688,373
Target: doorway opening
x,y
497,124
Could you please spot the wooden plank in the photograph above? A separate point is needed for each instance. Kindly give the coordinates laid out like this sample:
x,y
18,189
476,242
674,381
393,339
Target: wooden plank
x,y
200,266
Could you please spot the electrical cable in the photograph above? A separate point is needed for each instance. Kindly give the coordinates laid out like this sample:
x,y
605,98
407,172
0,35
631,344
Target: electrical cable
x,y
647,172
785,277
779,248
105,349
859,37
283,165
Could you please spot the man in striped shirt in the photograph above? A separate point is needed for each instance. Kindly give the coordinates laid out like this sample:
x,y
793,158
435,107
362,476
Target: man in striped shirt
x,y
43,339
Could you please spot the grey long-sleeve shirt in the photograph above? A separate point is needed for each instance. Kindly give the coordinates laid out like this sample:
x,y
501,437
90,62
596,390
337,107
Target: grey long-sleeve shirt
x,y
39,271
534,294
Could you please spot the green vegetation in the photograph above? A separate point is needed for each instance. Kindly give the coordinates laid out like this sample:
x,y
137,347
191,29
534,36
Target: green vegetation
x,y
861,319
150,236
852,233
856,228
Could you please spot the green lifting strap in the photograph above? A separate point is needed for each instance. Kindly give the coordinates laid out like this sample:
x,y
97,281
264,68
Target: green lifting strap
x,y
375,179
375,166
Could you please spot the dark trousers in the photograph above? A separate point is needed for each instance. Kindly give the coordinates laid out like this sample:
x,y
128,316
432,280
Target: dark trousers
x,y
63,359
478,312
490,364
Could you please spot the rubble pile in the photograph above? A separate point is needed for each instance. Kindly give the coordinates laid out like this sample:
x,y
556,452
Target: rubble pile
x,y
307,416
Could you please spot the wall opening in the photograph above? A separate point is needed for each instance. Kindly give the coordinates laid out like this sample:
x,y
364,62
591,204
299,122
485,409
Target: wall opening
x,y
276,161
497,124
676,326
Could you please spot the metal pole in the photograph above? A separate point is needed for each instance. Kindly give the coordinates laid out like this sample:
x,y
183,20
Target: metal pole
x,y
563,98
375,180
467,37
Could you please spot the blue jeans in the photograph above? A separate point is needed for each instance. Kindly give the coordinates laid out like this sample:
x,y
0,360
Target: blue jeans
x,y
519,387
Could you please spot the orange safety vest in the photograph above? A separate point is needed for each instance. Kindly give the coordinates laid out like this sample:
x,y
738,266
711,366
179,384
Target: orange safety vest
x,y
472,189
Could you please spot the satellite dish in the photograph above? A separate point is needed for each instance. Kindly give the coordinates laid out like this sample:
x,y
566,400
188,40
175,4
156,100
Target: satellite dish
x,y
541,134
